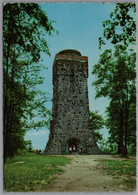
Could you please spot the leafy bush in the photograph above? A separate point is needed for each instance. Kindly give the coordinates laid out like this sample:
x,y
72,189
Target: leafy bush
x,y
21,152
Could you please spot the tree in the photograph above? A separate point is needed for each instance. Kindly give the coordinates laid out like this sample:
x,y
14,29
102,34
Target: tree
x,y
116,77
25,27
96,123
29,146
121,27
120,74
132,128
106,147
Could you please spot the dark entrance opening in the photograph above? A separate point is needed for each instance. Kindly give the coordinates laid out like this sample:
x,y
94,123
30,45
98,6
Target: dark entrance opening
x,y
72,142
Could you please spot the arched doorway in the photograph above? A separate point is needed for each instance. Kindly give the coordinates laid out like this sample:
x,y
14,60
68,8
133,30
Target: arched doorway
x,y
74,141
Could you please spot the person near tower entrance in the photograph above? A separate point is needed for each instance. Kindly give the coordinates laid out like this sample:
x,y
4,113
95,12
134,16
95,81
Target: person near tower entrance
x,y
80,150
74,149
70,150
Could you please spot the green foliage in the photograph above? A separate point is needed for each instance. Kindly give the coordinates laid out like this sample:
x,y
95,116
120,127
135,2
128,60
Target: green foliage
x,y
31,172
21,152
107,147
29,146
116,76
25,27
121,27
116,79
96,123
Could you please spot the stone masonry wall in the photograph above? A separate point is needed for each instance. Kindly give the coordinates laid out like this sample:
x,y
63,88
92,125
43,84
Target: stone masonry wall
x,y
70,115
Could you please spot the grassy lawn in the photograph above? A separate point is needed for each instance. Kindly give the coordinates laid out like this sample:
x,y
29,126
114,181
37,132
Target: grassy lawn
x,y
31,172
122,167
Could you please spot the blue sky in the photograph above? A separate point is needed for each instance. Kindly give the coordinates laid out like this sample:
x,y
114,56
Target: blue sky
x,y
79,26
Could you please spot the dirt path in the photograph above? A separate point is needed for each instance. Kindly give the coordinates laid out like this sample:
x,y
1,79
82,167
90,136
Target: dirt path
x,y
83,174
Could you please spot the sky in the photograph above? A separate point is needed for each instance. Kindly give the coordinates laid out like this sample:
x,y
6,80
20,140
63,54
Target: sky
x,y
79,26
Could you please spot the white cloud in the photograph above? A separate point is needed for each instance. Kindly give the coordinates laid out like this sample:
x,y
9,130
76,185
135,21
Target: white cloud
x,y
36,133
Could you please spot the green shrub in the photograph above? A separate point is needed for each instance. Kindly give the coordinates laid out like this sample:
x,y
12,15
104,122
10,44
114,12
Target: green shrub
x,y
22,152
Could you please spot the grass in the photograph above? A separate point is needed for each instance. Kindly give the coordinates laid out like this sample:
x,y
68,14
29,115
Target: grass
x,y
31,172
122,167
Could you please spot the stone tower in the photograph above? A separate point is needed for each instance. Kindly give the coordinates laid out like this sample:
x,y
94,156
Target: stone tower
x,y
70,124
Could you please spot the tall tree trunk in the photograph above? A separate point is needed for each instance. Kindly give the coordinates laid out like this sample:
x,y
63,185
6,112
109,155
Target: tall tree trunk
x,y
5,101
10,149
121,133
5,128
126,123
7,141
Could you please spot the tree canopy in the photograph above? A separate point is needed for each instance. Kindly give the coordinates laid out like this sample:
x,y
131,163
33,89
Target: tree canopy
x,y
96,124
25,28
116,79
121,27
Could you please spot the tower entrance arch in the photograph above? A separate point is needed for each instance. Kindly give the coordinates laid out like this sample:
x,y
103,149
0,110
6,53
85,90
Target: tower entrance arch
x,y
74,141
